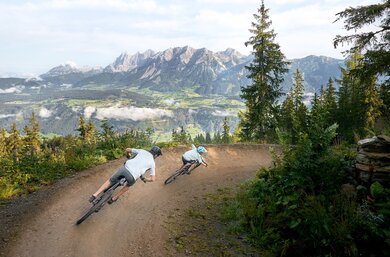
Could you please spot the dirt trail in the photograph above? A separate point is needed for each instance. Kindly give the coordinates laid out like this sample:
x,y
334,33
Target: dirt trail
x,y
133,226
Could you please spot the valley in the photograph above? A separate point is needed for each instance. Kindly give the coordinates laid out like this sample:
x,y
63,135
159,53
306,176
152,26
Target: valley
x,y
181,86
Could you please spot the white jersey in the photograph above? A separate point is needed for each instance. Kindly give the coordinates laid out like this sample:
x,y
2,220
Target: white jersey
x,y
142,162
193,155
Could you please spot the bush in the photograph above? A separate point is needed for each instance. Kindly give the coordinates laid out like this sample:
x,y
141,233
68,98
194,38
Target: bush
x,y
297,208
60,157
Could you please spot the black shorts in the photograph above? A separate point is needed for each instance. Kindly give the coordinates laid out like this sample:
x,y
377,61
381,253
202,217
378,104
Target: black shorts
x,y
122,172
186,161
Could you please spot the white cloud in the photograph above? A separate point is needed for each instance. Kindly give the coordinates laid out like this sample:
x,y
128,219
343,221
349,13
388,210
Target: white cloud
x,y
192,111
2,116
64,29
220,113
169,101
64,5
88,111
131,113
45,113
11,90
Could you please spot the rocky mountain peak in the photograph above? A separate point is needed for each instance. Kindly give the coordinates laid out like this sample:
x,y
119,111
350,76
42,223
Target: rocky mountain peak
x,y
69,68
126,62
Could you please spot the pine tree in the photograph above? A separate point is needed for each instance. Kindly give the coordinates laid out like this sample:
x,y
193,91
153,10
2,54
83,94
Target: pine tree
x,y
226,139
201,139
15,143
107,132
318,118
372,102
359,101
385,108
330,102
298,89
180,137
287,118
300,111
81,127
375,43
294,112
208,139
32,139
266,72
3,143
350,113
90,134
217,138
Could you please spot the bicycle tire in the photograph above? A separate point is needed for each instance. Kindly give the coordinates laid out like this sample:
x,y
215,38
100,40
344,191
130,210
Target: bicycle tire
x,y
88,213
96,207
171,178
176,174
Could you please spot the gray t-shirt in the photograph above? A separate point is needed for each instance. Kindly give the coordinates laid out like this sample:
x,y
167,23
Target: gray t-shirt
x,y
193,155
142,162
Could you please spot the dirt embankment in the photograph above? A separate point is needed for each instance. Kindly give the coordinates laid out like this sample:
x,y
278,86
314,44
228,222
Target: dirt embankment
x,y
42,224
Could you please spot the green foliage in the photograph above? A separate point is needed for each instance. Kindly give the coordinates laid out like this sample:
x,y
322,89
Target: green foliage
x,y
181,136
32,139
266,72
298,207
14,143
359,102
375,43
24,171
226,138
293,118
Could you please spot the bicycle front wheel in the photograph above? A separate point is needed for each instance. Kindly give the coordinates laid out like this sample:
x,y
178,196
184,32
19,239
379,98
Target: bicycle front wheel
x,y
96,207
91,210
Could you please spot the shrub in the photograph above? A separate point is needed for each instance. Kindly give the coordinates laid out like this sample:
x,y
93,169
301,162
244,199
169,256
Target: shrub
x,y
297,208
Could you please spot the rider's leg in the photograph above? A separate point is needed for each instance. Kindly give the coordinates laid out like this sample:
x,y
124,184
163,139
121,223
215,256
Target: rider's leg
x,y
103,187
129,182
112,180
116,195
190,169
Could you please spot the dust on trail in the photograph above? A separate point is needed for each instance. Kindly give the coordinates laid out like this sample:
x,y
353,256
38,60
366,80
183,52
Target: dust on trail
x,y
43,224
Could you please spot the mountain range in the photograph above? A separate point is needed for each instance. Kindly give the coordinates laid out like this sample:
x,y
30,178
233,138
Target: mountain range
x,y
221,73
182,85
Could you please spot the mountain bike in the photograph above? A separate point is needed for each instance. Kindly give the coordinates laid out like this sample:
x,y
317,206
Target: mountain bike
x,y
183,170
99,202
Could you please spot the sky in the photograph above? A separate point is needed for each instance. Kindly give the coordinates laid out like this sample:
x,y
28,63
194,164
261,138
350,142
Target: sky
x,y
38,35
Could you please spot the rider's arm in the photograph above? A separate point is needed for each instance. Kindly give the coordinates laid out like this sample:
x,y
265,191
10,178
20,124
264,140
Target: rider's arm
x,y
129,151
202,161
152,176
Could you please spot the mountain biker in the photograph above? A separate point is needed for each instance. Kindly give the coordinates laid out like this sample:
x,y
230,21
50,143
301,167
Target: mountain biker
x,y
194,155
133,169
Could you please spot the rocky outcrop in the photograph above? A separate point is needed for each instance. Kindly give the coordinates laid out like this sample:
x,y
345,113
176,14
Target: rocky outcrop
x,y
373,159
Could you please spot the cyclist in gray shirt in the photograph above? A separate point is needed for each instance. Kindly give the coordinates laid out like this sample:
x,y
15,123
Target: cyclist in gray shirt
x,y
194,155
133,169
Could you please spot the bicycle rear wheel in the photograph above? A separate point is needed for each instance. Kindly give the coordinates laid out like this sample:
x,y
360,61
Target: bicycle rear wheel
x,y
176,174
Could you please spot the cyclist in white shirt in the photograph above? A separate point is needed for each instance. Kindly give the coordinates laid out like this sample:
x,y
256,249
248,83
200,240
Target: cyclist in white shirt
x,y
133,169
194,155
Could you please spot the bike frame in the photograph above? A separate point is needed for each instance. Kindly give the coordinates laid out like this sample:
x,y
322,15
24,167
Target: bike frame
x,y
183,170
101,201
